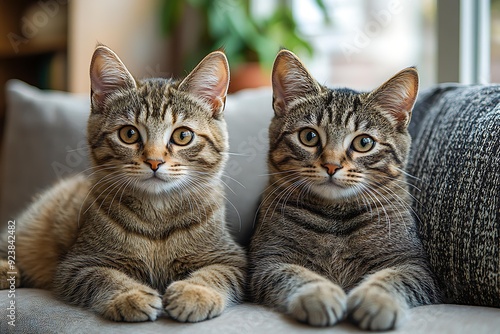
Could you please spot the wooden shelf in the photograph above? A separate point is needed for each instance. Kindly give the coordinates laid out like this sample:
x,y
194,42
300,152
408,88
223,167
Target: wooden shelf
x,y
34,47
35,59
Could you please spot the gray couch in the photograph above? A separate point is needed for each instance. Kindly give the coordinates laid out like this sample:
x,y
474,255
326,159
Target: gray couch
x,y
455,155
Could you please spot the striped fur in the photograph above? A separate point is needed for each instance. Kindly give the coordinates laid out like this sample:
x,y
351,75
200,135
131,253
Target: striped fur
x,y
144,231
326,246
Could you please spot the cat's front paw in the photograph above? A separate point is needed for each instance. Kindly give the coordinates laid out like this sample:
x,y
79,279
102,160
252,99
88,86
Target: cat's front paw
x,y
372,308
189,302
318,304
9,275
137,304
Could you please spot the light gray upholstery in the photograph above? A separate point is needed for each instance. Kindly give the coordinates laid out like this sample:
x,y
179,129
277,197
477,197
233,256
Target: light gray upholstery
x,y
39,312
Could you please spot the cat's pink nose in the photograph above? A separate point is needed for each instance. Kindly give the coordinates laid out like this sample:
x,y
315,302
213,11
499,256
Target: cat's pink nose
x,y
154,164
331,168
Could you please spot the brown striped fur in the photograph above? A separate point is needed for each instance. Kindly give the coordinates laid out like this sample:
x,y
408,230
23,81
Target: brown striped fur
x,y
145,229
335,236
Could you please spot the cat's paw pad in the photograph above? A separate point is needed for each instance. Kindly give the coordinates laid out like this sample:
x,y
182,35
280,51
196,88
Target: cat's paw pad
x,y
137,304
187,302
318,304
10,275
372,308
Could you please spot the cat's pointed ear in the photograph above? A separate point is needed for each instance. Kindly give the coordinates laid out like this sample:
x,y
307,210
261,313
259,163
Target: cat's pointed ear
x,y
397,96
107,75
209,81
291,82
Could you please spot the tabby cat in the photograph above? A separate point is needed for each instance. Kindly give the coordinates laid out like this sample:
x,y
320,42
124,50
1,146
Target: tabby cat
x,y
149,219
335,236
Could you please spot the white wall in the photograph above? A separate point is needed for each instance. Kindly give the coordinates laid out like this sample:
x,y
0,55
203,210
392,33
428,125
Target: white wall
x,y
130,27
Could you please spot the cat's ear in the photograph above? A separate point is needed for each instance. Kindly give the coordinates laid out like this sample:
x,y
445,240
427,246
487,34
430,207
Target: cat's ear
x,y
291,82
397,96
107,75
209,81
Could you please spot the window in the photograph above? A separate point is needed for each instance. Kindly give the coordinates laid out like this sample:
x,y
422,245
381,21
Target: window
x,y
369,40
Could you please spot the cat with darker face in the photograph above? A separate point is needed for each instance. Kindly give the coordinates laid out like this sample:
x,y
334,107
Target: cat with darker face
x,y
144,229
335,235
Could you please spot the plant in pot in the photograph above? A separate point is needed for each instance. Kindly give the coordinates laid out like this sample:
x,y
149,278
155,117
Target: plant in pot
x,y
250,41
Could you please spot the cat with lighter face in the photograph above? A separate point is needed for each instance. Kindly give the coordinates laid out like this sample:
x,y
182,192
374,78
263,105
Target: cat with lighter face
x,y
335,236
143,231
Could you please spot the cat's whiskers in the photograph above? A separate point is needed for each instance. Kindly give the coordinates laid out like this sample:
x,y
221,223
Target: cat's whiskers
x,y
123,191
97,169
403,202
305,190
202,189
289,192
224,175
402,188
208,191
88,194
283,195
403,181
365,203
373,193
390,192
370,199
193,203
114,183
282,172
236,154
263,200
186,192
278,180
234,180
408,174
295,176
276,198
86,148
123,186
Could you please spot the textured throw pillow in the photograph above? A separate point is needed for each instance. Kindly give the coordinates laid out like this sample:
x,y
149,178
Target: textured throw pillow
x,y
456,162
45,140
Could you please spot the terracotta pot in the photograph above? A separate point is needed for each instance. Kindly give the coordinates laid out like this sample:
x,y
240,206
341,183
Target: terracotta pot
x,y
249,75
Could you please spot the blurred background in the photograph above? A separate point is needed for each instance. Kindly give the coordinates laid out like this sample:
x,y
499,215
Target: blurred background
x,y
355,43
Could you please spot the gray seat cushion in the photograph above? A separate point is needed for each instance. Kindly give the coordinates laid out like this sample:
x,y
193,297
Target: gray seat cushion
x,y
39,312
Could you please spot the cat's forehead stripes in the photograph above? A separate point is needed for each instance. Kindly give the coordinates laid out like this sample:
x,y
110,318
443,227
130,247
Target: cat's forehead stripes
x,y
156,97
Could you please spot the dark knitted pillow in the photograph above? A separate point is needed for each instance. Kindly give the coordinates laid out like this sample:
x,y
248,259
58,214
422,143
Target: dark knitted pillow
x,y
456,160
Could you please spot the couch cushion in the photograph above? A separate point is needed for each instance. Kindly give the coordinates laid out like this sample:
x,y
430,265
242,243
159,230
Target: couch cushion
x,y
37,311
45,140
456,162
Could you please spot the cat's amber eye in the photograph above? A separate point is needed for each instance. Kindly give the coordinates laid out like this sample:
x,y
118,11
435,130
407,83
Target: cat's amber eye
x,y
309,137
129,134
363,143
182,136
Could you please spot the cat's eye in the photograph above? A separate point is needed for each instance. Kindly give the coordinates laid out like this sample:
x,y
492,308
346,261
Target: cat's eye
x,y
309,137
129,134
363,143
182,136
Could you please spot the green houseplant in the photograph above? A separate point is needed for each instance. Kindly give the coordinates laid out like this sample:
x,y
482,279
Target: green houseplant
x,y
231,25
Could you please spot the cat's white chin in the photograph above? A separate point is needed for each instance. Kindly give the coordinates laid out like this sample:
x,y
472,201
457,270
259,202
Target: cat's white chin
x,y
156,186
333,192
